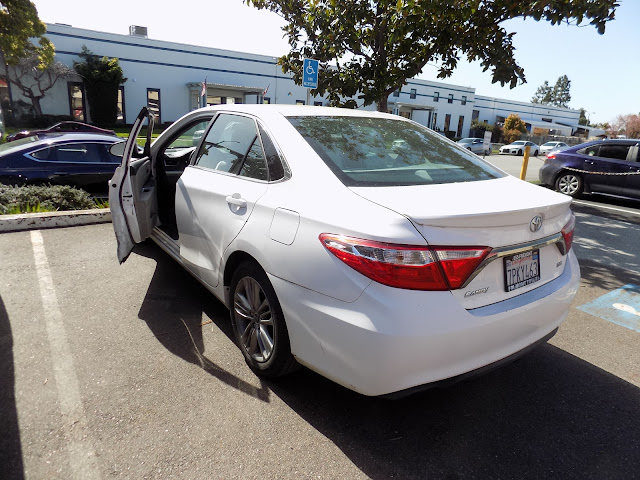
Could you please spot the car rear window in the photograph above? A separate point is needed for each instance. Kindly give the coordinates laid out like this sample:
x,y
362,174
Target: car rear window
x,y
365,151
17,144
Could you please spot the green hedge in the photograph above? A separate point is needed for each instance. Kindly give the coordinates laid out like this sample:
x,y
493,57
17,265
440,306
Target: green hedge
x,y
30,198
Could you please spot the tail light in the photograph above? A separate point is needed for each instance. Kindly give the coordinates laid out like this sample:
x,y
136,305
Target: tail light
x,y
412,267
551,156
567,232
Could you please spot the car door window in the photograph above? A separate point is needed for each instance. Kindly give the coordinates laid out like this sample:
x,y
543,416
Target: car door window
x,y
591,151
227,143
73,153
180,148
619,152
275,165
254,165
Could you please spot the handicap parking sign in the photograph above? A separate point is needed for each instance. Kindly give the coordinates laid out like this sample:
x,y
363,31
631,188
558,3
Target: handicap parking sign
x,y
310,73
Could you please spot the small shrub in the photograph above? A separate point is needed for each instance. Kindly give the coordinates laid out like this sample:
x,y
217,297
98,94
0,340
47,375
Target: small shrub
x,y
47,198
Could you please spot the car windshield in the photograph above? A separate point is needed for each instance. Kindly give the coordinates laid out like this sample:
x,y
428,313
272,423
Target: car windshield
x,y
17,144
365,151
466,140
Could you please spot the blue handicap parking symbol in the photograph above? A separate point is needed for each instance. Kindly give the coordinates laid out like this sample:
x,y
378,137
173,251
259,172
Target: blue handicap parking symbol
x,y
310,73
622,307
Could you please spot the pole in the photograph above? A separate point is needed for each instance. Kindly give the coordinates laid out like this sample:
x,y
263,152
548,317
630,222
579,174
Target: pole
x,y
525,162
308,96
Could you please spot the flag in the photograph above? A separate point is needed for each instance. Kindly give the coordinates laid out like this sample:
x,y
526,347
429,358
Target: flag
x,y
264,92
204,88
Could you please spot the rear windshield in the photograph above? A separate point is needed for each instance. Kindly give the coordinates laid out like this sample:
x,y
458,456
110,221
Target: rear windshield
x,y
365,151
17,144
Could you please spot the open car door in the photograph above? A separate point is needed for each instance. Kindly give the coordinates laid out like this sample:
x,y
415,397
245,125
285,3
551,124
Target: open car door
x,y
132,195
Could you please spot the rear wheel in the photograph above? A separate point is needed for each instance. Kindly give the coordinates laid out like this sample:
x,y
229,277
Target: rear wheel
x,y
536,153
519,152
570,184
487,152
258,323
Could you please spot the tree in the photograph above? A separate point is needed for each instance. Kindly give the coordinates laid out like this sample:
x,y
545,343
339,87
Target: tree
x,y
544,94
560,94
102,78
583,117
514,127
627,125
557,95
369,48
19,23
33,79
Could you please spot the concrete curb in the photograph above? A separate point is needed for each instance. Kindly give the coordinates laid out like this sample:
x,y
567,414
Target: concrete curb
x,y
37,221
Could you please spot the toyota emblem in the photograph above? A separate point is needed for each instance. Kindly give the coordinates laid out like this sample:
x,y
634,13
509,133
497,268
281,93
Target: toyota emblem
x,y
536,223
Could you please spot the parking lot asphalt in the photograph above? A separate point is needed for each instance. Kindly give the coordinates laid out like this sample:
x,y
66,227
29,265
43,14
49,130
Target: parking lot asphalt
x,y
130,371
512,164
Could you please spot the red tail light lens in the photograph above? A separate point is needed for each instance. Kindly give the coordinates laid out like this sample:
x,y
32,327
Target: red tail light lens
x,y
551,156
567,232
407,266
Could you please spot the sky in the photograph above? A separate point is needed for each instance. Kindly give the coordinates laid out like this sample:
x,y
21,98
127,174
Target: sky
x,y
604,69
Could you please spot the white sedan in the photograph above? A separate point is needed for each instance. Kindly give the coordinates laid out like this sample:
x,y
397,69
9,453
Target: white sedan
x,y
359,244
517,148
549,146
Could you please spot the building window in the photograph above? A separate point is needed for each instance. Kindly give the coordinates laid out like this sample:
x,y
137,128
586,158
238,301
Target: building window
x,y
447,122
317,104
122,116
153,103
460,124
396,93
435,120
475,114
406,115
413,93
436,96
450,98
547,120
266,100
76,101
300,102
464,100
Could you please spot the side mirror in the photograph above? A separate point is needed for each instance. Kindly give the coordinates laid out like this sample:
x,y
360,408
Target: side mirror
x,y
117,149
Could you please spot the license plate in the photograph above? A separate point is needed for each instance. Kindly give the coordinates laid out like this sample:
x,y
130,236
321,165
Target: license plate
x,y
521,269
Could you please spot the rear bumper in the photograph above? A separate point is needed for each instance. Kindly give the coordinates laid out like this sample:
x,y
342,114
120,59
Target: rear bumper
x,y
548,173
390,340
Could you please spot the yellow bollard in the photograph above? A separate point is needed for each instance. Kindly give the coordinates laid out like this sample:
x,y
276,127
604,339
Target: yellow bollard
x,y
525,162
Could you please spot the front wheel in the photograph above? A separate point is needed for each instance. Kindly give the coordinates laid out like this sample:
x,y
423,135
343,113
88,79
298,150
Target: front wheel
x,y
258,323
487,152
570,184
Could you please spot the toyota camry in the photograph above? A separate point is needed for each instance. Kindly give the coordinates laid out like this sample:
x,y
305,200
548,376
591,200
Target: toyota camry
x,y
359,244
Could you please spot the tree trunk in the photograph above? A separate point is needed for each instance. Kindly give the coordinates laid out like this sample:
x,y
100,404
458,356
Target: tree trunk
x,y
37,109
382,104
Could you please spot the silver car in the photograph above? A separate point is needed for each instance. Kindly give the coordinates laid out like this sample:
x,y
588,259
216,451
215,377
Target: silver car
x,y
476,145
547,147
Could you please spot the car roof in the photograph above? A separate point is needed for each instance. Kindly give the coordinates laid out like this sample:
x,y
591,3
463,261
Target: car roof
x,y
300,110
57,138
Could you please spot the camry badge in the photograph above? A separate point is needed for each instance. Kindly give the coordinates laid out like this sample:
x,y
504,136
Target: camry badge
x,y
536,223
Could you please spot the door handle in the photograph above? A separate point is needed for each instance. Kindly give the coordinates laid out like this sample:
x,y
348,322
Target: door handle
x,y
236,200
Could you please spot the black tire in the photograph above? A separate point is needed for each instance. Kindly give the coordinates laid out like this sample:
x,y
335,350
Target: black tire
x,y
570,183
258,323
469,148
487,153
520,152
535,154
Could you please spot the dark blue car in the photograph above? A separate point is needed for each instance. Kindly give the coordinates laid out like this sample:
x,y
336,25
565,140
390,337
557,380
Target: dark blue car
x,y
611,167
79,159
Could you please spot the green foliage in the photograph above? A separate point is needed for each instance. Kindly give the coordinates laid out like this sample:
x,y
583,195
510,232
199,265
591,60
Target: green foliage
x,y
513,122
558,95
369,48
478,128
19,23
102,78
583,117
45,198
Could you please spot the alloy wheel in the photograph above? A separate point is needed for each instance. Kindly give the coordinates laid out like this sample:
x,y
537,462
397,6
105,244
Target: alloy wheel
x,y
569,184
254,320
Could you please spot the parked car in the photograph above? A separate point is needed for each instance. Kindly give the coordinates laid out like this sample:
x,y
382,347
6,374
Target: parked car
x,y
2,129
611,167
78,159
359,244
517,148
62,127
476,145
549,146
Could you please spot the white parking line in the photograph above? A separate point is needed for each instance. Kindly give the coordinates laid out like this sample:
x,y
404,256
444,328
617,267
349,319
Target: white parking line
x,y
81,452
606,207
